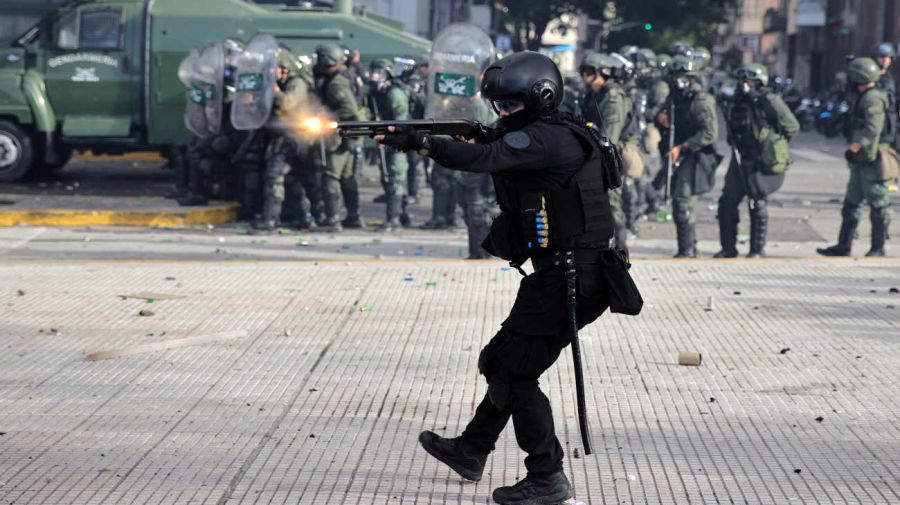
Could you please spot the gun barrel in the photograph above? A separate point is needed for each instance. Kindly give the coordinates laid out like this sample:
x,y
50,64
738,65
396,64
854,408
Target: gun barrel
x,y
354,129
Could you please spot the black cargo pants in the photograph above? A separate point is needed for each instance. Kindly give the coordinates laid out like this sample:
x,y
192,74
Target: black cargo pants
x,y
529,342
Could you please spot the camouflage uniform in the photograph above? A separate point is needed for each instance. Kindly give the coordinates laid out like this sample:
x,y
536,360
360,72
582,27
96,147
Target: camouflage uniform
x,y
392,103
696,130
339,181
749,114
607,109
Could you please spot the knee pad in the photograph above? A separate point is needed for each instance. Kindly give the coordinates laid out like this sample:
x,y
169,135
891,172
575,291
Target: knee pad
x,y
759,209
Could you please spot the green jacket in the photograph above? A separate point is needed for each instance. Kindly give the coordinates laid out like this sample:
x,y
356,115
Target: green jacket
x,y
393,105
294,93
337,93
750,113
867,121
696,122
606,109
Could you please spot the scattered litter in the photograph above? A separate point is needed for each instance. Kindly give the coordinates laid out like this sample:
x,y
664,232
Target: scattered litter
x,y
430,283
738,293
303,243
576,453
690,358
631,477
820,419
873,291
312,435
365,308
418,253
146,313
148,295
407,279
165,345
797,470
784,350
712,399
21,293
894,291
859,357
710,305
210,228
286,333
170,278
889,307
312,390
221,239
806,203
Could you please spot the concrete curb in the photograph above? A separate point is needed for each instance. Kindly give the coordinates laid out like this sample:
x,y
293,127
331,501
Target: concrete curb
x,y
213,214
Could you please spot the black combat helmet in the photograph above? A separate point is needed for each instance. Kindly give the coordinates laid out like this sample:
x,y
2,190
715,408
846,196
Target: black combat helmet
x,y
528,76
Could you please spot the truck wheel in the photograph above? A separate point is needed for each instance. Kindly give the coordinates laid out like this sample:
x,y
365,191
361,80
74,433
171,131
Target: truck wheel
x,y
15,152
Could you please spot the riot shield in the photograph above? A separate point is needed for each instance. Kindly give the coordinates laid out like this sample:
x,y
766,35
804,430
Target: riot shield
x,y
460,53
212,70
194,107
255,83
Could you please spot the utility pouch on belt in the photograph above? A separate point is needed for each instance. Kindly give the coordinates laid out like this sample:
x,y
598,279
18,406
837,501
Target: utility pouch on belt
x,y
612,162
624,297
505,239
887,165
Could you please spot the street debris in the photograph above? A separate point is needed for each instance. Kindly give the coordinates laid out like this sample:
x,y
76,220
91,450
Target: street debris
x,y
147,295
165,345
690,358
820,419
784,350
710,304
146,313
894,291
576,453
21,293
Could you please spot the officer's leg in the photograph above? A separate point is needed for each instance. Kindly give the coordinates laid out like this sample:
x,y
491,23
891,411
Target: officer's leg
x,y
849,216
335,163
395,190
729,214
876,195
759,221
441,185
350,190
413,179
615,203
273,196
630,203
296,208
475,213
682,203
178,162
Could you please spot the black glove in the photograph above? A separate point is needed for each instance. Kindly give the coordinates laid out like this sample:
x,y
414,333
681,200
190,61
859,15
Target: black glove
x,y
404,138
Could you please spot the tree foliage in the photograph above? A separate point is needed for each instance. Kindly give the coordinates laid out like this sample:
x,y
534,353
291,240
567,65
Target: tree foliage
x,y
691,20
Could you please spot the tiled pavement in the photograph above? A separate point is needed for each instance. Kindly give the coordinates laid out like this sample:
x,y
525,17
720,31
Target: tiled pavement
x,y
343,364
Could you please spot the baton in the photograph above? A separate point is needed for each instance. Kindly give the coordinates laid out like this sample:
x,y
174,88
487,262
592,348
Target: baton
x,y
571,294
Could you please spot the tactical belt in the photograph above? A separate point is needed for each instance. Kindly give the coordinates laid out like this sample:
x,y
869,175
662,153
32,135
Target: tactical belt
x,y
543,261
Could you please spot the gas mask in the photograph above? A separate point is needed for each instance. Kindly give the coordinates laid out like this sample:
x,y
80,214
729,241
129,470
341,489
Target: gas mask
x,y
682,84
745,87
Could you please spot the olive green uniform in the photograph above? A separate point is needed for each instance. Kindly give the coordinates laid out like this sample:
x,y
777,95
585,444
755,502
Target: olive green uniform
x,y
869,127
607,110
657,91
338,178
749,115
474,192
393,104
284,155
696,127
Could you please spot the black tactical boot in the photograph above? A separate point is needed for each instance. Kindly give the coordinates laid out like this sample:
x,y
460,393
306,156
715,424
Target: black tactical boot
x,y
845,237
759,221
536,490
728,229
437,223
394,211
449,452
684,230
880,221
350,192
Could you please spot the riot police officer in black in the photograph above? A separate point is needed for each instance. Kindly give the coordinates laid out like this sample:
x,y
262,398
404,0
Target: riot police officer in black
x,y
548,171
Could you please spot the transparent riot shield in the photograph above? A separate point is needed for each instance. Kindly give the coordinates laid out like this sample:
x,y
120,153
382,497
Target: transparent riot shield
x,y
255,83
194,107
212,70
459,54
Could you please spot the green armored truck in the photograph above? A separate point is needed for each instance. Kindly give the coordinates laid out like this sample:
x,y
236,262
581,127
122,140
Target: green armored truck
x,y
103,74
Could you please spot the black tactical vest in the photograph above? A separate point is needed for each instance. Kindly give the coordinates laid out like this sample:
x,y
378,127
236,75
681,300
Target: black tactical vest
x,y
579,212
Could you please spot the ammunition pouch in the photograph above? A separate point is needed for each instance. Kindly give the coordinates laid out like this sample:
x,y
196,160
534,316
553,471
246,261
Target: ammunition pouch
x,y
705,161
887,165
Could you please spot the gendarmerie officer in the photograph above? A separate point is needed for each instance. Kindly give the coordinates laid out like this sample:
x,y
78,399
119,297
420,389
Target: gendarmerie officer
x,y
760,125
546,168
869,130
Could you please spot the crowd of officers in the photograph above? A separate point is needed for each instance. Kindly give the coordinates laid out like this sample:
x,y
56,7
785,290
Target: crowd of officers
x,y
658,109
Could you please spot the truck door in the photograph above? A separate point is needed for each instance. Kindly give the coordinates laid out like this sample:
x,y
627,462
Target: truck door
x,y
92,78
